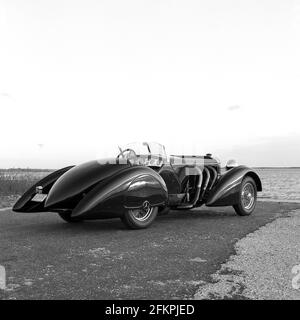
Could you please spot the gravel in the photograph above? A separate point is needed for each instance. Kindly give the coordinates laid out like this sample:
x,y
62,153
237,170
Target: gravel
x,y
266,265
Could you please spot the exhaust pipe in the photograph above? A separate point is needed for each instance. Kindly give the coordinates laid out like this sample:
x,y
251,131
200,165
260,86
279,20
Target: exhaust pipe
x,y
205,183
198,191
214,176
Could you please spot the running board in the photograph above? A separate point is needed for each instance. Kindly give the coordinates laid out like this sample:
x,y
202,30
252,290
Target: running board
x,y
185,206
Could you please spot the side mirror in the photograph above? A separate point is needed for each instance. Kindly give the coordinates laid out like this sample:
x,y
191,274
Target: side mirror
x,y
231,164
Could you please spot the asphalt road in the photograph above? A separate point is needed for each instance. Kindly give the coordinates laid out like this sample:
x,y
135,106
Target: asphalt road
x,y
46,258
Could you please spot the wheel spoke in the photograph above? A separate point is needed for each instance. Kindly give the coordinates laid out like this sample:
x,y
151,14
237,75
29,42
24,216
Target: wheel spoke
x,y
143,213
248,196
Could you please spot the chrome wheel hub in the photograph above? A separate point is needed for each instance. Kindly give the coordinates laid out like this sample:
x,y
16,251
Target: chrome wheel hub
x,y
143,213
248,196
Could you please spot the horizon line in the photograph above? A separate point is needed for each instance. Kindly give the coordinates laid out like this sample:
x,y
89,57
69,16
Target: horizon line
x,y
53,169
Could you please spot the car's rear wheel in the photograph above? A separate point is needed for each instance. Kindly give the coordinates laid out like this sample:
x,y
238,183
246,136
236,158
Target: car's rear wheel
x,y
66,216
247,198
140,218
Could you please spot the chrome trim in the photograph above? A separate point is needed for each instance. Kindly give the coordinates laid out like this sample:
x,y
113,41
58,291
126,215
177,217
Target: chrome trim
x,y
39,189
248,196
214,177
205,183
143,213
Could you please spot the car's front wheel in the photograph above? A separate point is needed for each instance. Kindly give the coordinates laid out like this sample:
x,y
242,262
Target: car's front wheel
x,y
140,218
247,198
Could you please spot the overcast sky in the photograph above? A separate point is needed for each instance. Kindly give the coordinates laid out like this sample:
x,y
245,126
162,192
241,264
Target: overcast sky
x,y
77,78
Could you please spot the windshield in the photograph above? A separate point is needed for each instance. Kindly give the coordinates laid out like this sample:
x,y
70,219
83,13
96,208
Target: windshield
x,y
145,153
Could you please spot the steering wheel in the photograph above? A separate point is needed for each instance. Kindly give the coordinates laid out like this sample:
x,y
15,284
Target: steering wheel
x,y
122,153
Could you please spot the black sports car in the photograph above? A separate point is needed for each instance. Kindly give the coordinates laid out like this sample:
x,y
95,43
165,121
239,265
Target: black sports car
x,y
140,183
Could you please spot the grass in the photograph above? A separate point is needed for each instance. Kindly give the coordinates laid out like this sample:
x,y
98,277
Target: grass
x,y
14,182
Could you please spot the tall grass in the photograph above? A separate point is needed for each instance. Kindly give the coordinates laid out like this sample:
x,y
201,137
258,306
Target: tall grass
x,y
14,182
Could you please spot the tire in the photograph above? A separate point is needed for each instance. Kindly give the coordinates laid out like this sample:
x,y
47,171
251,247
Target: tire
x,y
66,216
140,218
247,203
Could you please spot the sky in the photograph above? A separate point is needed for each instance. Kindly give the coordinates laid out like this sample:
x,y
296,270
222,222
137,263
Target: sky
x,y
79,78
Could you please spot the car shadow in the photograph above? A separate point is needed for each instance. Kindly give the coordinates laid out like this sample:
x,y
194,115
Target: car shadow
x,y
203,213
53,224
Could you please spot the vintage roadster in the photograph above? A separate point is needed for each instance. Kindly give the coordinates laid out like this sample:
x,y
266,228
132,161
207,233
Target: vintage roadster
x,y
139,183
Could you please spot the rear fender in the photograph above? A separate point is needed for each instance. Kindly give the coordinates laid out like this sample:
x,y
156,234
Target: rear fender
x,y
227,188
128,189
24,204
146,187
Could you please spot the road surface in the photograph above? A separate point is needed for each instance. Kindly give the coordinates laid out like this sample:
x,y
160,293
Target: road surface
x,y
46,258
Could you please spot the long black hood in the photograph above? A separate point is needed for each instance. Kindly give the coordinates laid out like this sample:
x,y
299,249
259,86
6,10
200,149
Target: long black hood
x,y
72,185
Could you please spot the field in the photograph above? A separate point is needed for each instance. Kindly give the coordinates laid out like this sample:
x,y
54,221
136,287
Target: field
x,y
14,182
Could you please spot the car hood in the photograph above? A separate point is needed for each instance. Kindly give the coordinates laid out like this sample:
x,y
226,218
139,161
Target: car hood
x,y
79,179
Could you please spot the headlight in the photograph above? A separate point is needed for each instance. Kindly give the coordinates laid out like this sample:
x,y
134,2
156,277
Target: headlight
x,y
231,164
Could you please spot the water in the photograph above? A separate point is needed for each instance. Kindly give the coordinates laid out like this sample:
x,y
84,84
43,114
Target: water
x,y
280,184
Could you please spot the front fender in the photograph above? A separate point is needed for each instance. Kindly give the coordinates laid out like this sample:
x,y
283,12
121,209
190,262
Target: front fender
x,y
24,204
128,189
226,191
